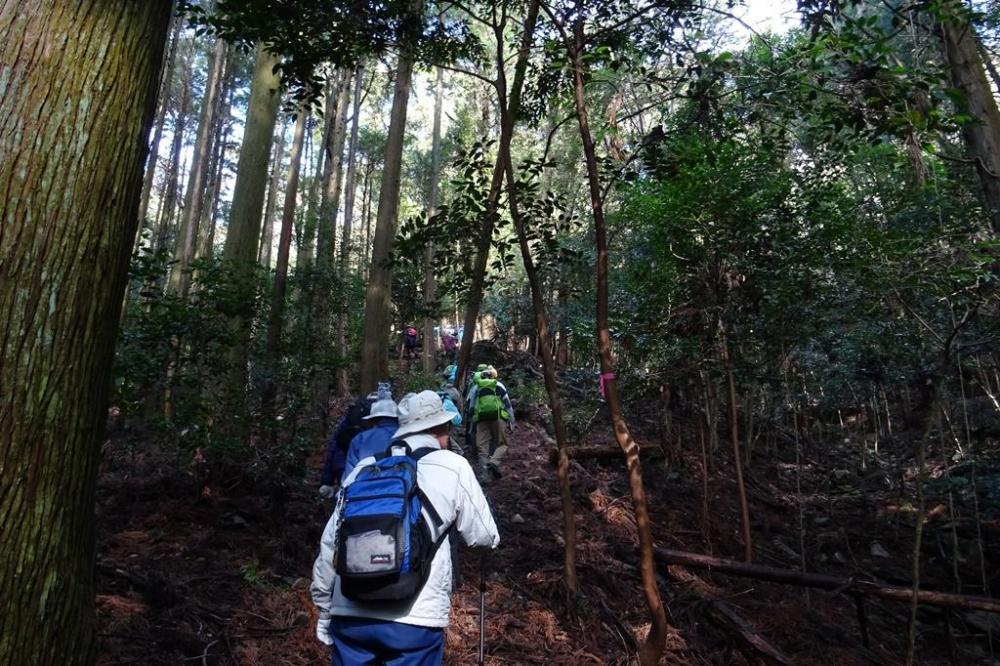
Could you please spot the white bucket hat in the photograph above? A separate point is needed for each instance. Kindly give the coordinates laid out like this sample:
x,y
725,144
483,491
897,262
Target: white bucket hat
x,y
419,412
384,406
382,409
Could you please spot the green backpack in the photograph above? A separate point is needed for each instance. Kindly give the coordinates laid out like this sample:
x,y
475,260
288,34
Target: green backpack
x,y
489,405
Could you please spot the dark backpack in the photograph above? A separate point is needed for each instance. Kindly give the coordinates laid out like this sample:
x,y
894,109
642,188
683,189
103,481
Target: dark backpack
x,y
354,422
384,545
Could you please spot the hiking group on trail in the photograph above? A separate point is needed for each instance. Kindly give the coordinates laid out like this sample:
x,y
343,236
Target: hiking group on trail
x,y
404,496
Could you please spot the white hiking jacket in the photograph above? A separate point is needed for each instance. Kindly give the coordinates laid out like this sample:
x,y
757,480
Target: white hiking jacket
x,y
450,485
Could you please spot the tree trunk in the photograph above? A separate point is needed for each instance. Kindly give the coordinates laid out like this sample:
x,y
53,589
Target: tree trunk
x,y
378,299
364,253
430,284
194,199
982,133
166,82
734,439
171,183
551,386
323,279
325,166
350,188
653,648
333,144
206,228
271,207
496,185
67,224
240,250
304,262
276,322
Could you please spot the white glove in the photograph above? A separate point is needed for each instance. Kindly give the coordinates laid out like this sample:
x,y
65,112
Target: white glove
x,y
323,630
327,491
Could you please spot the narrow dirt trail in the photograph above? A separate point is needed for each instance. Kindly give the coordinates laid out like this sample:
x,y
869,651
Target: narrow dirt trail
x,y
526,615
216,570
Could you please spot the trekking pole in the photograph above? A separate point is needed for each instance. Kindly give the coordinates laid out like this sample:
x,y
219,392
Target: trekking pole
x,y
482,610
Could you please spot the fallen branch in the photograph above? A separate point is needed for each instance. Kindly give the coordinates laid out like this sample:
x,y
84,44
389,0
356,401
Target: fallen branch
x,y
826,582
750,641
602,452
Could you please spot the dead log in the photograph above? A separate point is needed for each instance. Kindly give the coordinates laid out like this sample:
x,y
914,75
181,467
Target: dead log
x,y
750,642
825,582
603,452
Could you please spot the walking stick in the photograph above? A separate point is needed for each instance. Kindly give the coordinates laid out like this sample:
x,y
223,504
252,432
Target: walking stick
x,y
482,610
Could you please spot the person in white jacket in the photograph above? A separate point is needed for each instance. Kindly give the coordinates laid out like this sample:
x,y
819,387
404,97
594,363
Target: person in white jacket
x,y
411,634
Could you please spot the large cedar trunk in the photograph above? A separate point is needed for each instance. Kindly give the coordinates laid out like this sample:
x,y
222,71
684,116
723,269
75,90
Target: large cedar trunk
x,y
251,169
240,250
653,647
982,133
378,299
81,69
194,199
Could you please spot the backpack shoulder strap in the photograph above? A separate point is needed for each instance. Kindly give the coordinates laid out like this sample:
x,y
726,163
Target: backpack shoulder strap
x,y
424,499
395,444
423,451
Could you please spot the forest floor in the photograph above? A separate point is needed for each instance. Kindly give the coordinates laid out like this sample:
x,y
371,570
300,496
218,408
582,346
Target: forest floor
x,y
208,572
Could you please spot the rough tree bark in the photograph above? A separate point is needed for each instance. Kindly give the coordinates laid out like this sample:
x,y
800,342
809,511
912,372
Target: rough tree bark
x,y
496,184
240,250
982,133
430,284
67,226
653,647
350,187
378,299
194,198
271,207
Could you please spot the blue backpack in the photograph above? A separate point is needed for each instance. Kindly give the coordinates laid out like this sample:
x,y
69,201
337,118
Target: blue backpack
x,y
384,544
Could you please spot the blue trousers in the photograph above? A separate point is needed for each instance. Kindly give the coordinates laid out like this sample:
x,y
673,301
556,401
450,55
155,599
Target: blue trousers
x,y
364,642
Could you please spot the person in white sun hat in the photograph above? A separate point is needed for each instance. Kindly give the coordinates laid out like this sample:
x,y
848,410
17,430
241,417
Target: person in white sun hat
x,y
411,633
376,438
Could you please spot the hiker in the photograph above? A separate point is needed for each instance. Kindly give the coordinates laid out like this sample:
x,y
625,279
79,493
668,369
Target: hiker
x,y
449,345
452,400
381,602
352,423
492,415
410,337
376,438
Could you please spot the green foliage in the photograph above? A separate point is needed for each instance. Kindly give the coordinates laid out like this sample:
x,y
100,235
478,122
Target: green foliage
x,y
315,35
